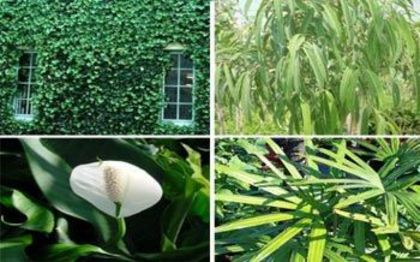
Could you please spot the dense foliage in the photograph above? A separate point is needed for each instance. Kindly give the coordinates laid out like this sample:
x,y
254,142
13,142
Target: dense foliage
x,y
44,220
321,200
101,63
319,67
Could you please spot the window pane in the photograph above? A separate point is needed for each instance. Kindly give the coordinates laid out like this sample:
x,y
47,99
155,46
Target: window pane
x,y
174,60
186,95
22,91
23,75
170,112
171,94
185,112
25,59
34,58
186,62
25,87
187,77
22,107
17,106
172,78
30,107
33,75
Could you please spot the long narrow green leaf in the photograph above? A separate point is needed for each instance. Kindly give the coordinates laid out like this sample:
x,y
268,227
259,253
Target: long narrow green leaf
x,y
356,172
359,237
331,181
317,241
281,239
365,166
360,217
256,201
391,210
230,82
283,158
376,88
348,86
348,18
307,119
297,257
248,4
238,248
358,198
330,16
254,221
333,256
293,78
314,55
255,180
410,203
384,244
358,167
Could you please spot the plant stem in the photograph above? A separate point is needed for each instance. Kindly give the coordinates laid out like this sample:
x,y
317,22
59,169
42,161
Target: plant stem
x,y
115,239
120,229
120,223
117,209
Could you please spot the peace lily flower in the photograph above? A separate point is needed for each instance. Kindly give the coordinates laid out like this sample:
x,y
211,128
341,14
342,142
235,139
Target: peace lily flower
x,y
117,188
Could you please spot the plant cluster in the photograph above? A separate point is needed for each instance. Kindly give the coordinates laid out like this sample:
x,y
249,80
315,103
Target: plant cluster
x,y
101,63
43,219
318,200
319,67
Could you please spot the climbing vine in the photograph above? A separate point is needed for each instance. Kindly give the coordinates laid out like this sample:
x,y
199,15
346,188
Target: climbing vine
x,y
101,63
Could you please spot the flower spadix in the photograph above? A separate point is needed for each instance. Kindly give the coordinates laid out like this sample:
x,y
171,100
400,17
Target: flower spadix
x,y
117,188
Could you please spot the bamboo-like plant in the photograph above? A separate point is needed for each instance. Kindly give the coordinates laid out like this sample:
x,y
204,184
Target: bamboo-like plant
x,y
319,67
347,201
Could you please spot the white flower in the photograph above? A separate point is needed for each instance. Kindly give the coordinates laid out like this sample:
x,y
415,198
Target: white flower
x,y
111,184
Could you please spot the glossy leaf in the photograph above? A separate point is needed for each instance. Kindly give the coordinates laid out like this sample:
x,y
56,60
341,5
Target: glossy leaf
x,y
52,176
38,217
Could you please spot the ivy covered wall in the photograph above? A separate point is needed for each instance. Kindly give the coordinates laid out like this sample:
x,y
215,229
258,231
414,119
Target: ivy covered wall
x,y
101,63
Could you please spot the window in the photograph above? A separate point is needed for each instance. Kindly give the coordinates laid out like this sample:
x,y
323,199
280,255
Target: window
x,y
25,86
178,90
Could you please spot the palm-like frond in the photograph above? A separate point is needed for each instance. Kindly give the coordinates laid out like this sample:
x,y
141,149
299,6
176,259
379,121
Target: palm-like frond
x,y
345,202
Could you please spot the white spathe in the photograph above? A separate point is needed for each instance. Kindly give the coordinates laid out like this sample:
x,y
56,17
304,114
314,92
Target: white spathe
x,y
105,183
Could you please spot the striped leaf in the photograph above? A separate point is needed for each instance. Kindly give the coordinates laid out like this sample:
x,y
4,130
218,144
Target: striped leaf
x,y
281,239
254,221
317,240
256,181
358,198
374,221
256,201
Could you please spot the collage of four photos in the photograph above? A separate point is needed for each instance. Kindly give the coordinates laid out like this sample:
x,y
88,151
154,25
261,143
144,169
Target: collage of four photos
x,y
210,130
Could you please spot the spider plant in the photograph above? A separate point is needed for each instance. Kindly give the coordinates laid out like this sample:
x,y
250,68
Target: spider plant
x,y
348,200
349,64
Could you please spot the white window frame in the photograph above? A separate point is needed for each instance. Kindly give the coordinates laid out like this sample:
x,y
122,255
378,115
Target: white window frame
x,y
177,121
29,85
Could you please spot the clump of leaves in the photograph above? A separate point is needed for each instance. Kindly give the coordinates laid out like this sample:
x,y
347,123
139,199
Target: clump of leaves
x,y
349,64
42,219
344,200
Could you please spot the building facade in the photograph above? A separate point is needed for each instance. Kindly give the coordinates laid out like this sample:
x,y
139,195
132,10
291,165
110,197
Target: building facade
x,y
104,67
